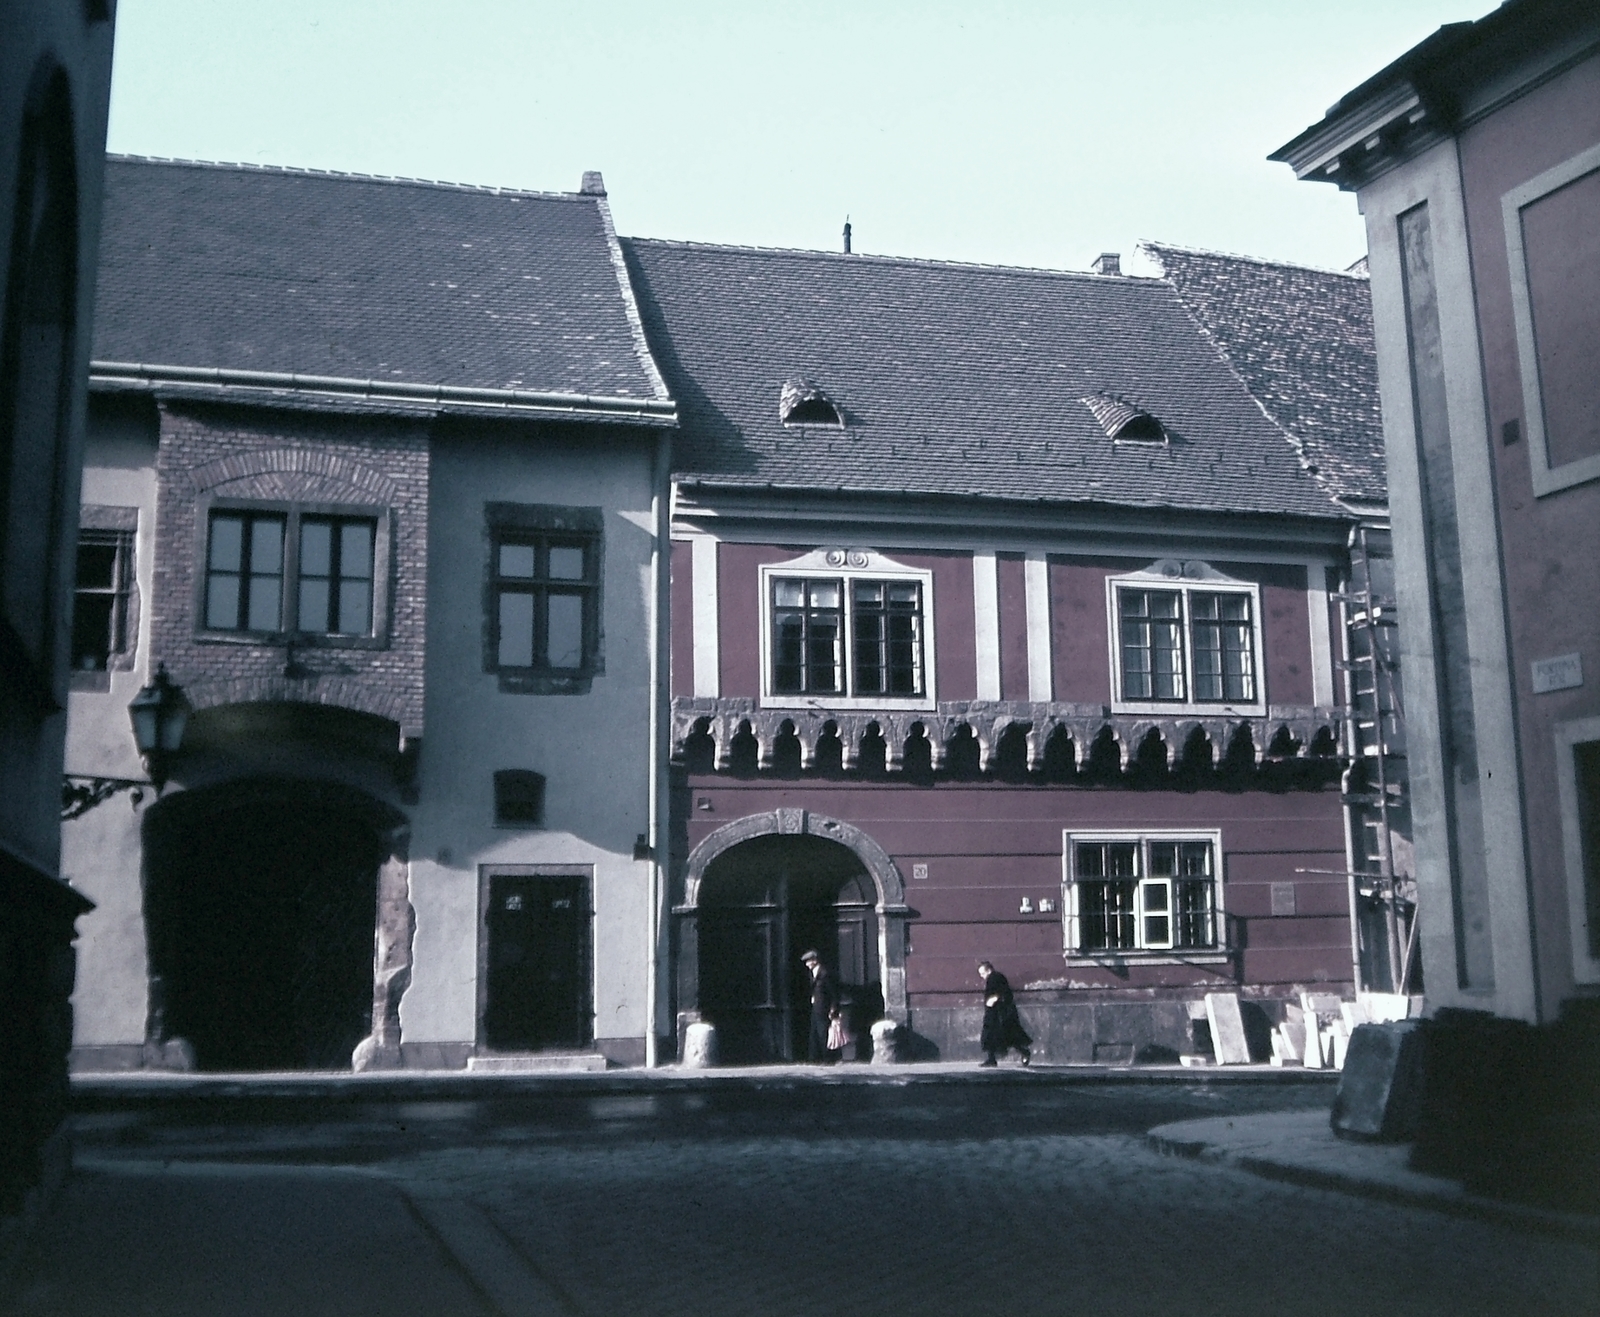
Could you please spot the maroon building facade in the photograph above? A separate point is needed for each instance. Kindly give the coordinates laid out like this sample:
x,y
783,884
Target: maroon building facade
x,y
1005,626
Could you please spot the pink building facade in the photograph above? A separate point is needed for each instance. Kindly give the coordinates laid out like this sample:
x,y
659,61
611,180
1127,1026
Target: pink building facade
x,y
1476,161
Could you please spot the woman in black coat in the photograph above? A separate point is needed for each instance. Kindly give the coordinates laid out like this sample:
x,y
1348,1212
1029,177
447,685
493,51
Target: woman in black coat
x,y
1002,1026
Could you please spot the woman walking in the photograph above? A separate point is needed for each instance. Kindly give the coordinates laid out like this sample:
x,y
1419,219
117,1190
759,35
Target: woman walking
x,y
1002,1026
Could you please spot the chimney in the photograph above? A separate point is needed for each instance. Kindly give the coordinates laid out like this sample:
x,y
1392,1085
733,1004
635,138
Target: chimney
x,y
846,235
593,185
1107,263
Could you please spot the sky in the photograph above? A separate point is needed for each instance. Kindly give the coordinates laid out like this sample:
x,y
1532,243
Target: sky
x,y
1011,132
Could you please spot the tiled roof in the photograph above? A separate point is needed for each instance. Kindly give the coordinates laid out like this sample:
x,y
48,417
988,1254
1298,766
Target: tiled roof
x,y
249,268
952,379
1301,340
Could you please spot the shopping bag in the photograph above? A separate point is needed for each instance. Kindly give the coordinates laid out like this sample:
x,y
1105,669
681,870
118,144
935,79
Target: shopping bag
x,y
837,1037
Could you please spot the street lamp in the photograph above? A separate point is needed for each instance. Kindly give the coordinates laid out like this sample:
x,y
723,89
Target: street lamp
x,y
159,713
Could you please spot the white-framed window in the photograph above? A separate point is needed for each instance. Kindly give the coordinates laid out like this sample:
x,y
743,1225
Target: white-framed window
x,y
846,628
1184,636
1136,892
1577,747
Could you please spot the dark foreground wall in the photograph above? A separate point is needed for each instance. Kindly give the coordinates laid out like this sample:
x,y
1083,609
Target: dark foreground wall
x,y
36,974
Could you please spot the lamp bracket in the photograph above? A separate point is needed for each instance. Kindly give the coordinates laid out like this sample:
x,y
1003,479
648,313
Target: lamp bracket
x,y
81,793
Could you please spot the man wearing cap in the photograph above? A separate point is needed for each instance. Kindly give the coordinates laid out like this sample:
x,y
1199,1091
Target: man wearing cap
x,y
824,1008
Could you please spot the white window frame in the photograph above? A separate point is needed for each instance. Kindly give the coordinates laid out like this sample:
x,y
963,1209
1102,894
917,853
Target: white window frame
x,y
1185,579
1072,914
1568,736
846,566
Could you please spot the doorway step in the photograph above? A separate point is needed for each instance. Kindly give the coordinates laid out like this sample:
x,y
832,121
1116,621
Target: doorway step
x,y
523,1062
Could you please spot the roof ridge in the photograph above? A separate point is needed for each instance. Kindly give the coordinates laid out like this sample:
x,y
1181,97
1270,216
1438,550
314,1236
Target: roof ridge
x,y
990,267
308,171
1150,246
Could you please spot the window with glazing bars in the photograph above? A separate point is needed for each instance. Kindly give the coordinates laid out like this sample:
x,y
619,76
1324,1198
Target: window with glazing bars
x,y
887,635
544,596
244,571
1216,666
100,606
336,575
1144,895
807,636
1152,644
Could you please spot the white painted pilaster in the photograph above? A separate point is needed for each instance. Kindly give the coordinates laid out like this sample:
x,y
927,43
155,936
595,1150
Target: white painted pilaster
x,y
1036,586
707,650
1321,639
986,618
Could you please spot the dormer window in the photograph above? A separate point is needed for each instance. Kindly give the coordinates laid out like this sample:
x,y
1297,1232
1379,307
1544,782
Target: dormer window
x,y
802,403
1123,422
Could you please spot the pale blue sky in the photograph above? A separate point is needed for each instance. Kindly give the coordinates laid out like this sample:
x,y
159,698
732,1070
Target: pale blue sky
x,y
1010,131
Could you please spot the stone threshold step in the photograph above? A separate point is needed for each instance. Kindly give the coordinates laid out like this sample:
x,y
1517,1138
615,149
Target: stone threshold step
x,y
533,1062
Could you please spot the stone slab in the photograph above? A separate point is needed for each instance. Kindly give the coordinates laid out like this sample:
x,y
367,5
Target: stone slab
x,y
1228,1041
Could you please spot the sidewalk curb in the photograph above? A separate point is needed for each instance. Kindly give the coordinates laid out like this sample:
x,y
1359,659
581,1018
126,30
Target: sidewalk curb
x,y
1448,1198
122,1090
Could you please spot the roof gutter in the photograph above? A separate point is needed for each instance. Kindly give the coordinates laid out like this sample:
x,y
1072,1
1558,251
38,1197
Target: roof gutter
x,y
246,384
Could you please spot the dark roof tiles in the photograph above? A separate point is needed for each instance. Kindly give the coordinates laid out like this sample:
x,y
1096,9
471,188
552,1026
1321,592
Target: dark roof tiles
x,y
952,379
293,271
1301,341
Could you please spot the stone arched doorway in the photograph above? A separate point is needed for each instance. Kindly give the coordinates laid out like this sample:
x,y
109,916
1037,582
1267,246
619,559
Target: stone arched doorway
x,y
758,892
261,898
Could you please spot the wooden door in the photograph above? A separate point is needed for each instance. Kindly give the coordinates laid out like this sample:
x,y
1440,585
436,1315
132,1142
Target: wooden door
x,y
538,963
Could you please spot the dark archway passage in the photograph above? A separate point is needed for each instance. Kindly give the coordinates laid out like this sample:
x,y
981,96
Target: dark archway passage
x,y
762,903
260,901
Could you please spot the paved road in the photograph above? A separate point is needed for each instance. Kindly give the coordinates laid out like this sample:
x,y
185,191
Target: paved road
x,y
789,1198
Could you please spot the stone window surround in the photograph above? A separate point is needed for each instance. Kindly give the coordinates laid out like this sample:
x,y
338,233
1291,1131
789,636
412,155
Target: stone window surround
x,y
124,521
1546,478
847,565
1186,578
382,571
1217,955
544,518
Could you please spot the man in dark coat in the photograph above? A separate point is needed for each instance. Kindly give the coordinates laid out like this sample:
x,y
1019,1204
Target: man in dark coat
x,y
1002,1026
824,1007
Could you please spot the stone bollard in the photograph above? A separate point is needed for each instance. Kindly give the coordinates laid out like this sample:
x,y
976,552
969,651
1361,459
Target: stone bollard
x,y
886,1043
700,1046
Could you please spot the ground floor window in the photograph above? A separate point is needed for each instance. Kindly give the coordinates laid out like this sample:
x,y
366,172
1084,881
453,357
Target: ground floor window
x,y
1141,892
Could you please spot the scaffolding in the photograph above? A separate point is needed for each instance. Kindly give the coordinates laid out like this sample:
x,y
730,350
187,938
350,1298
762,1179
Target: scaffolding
x,y
1383,890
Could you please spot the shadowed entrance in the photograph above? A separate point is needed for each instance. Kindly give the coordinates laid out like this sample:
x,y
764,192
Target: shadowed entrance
x,y
260,900
762,903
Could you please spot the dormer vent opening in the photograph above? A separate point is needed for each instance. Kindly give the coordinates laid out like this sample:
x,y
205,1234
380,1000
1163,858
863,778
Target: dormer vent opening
x,y
1124,422
802,403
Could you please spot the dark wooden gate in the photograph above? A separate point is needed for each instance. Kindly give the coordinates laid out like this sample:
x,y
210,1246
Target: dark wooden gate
x,y
538,936
762,904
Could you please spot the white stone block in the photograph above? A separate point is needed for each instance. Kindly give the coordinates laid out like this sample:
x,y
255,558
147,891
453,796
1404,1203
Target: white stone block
x,y
1228,1042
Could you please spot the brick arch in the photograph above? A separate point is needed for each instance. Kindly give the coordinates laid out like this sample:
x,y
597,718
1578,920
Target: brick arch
x,y
311,465
892,910
335,692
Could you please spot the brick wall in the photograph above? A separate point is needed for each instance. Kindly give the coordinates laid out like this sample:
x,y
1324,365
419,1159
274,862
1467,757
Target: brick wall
x,y
210,451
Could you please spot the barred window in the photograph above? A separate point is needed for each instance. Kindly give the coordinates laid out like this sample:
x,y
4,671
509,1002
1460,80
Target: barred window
x,y
1141,894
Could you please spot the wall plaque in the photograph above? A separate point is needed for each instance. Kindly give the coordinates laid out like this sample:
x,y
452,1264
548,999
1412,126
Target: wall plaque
x,y
1560,673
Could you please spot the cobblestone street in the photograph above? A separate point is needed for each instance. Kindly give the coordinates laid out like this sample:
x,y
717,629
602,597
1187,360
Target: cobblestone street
x,y
799,1198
